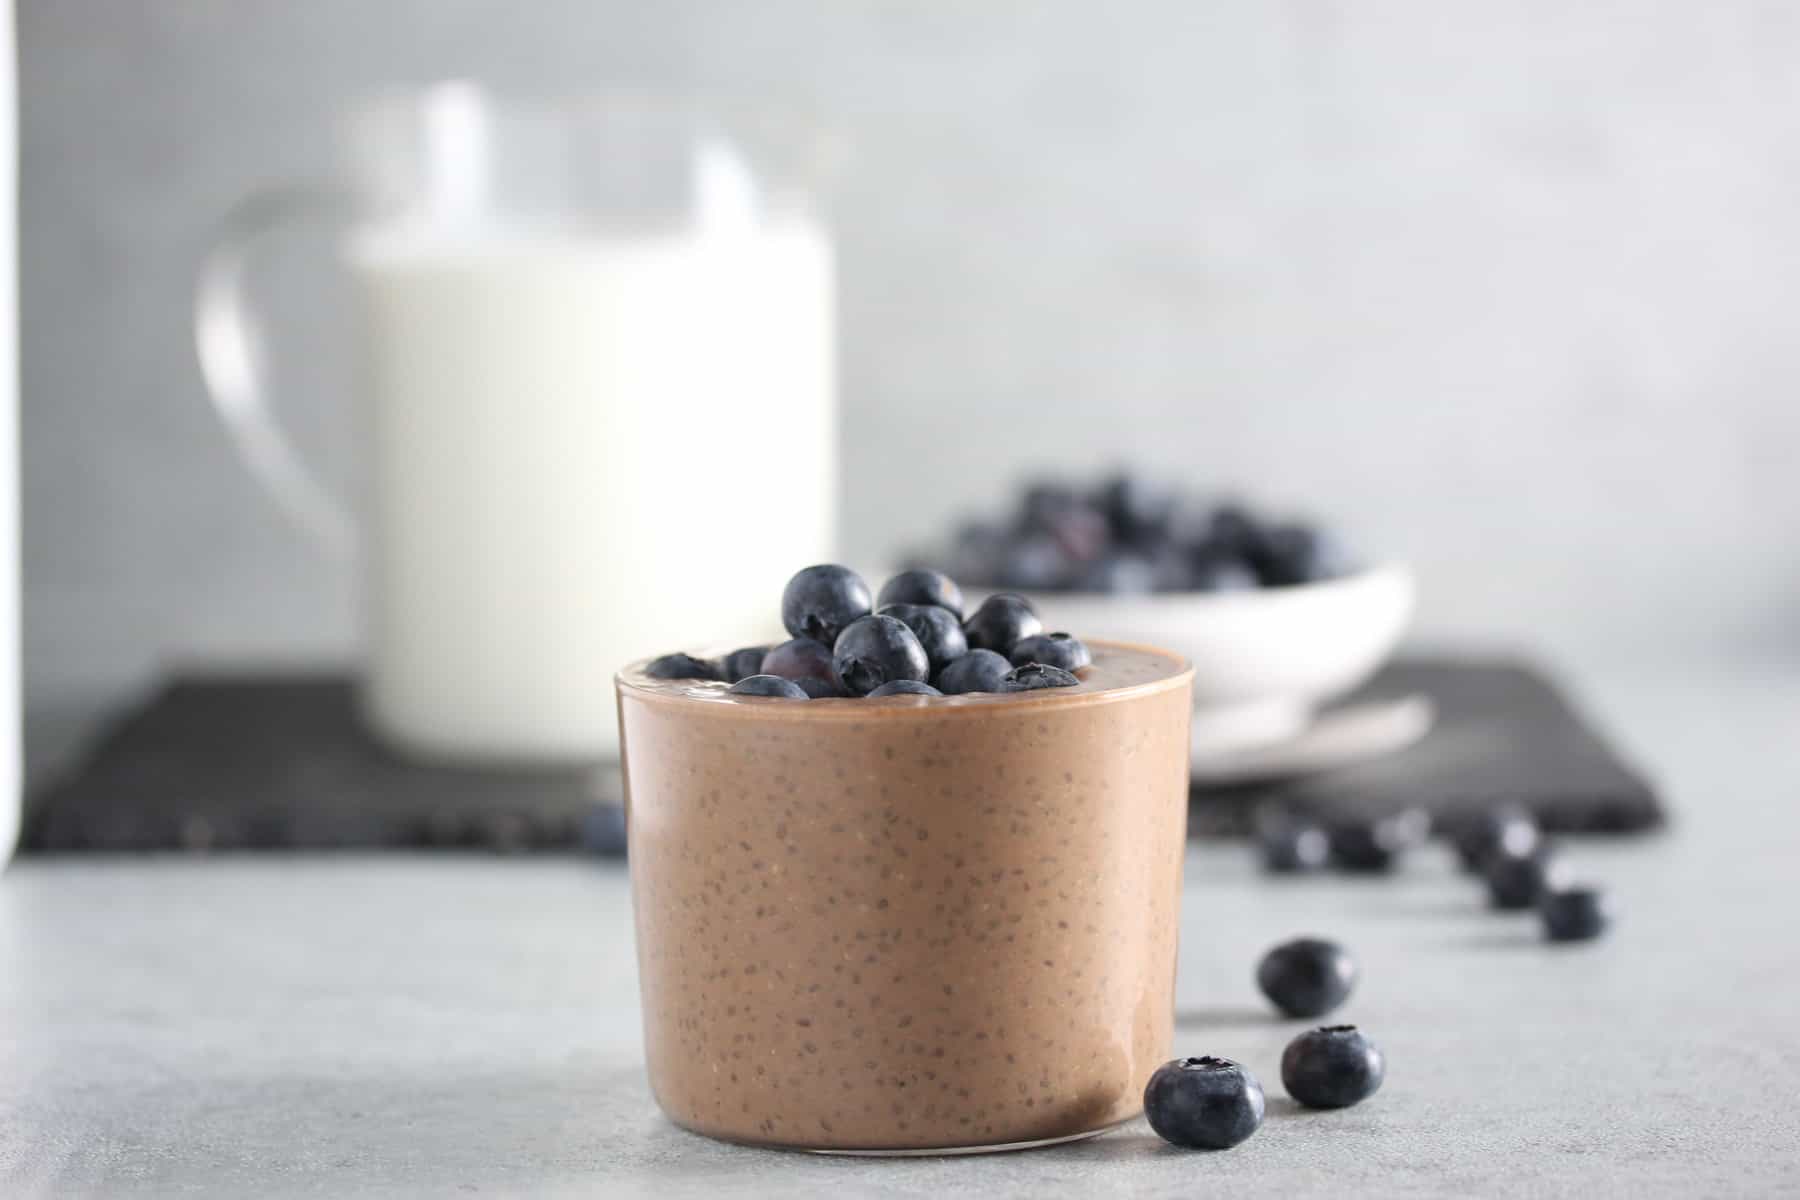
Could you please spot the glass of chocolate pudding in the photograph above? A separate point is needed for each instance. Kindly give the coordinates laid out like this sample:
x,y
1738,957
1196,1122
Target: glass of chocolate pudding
x,y
914,924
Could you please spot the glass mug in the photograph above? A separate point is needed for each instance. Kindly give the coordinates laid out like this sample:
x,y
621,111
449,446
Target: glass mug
x,y
581,323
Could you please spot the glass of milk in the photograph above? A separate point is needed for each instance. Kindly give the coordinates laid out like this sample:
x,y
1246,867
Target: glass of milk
x,y
596,363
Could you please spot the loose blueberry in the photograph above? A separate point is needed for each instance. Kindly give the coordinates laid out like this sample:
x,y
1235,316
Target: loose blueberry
x,y
800,659
768,685
1334,1066
1053,650
1516,881
1203,1103
603,830
1002,621
976,671
820,602
921,586
1377,843
1033,676
681,666
937,629
1506,829
1574,914
1307,977
874,650
741,664
904,687
1292,844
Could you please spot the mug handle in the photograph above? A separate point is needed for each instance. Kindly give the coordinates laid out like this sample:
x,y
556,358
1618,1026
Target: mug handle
x,y
228,342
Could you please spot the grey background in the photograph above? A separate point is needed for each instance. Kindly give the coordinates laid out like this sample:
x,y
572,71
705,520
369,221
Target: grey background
x,y
1506,288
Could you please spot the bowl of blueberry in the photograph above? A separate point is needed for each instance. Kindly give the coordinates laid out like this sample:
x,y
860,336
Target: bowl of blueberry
x,y
1274,614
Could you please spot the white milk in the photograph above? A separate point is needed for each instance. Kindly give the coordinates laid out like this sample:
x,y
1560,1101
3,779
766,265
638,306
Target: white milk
x,y
584,451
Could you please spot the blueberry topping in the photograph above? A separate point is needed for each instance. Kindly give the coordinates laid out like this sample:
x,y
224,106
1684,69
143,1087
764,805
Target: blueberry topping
x,y
920,586
1291,844
741,664
681,666
818,689
1032,676
1334,1066
1307,977
603,830
1574,914
1516,881
874,650
976,671
1002,621
1506,829
936,628
1203,1103
768,685
1053,650
801,658
1376,844
904,687
820,602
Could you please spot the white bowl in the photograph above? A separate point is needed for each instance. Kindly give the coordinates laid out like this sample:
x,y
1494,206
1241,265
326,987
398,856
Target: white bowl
x,y
1264,660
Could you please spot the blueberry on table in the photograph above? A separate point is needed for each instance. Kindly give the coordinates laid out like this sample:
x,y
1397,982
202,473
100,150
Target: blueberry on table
x,y
874,650
1334,1066
820,602
681,666
904,687
1307,977
1516,881
1034,676
801,658
1292,844
741,664
1203,1103
1003,620
1376,843
1574,914
1053,650
921,586
1505,829
976,671
937,629
768,685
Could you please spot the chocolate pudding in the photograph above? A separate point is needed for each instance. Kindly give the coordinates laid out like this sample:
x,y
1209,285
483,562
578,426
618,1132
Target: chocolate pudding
x,y
910,923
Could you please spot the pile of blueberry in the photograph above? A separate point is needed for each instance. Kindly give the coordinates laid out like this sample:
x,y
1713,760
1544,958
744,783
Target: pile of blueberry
x,y
1502,844
1211,1103
1129,535
917,643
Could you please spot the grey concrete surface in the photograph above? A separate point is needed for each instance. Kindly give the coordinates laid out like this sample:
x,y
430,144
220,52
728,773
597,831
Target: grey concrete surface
x,y
1506,287
413,1026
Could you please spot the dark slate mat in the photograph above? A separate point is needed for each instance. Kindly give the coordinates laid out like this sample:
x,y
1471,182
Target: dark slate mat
x,y
282,763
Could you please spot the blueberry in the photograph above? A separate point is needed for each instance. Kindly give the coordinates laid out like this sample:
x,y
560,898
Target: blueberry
x,y
1033,676
1294,554
1203,1103
1123,574
820,602
904,687
818,689
1505,829
1376,844
1333,1066
741,664
1053,650
1035,562
1044,499
1516,881
1290,844
976,671
1214,572
1001,622
1234,531
1307,977
1078,531
801,658
976,551
1574,914
937,629
874,650
681,666
921,586
603,830
768,685
1138,510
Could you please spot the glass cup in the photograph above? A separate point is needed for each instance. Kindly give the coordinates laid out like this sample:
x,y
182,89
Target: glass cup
x,y
581,324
